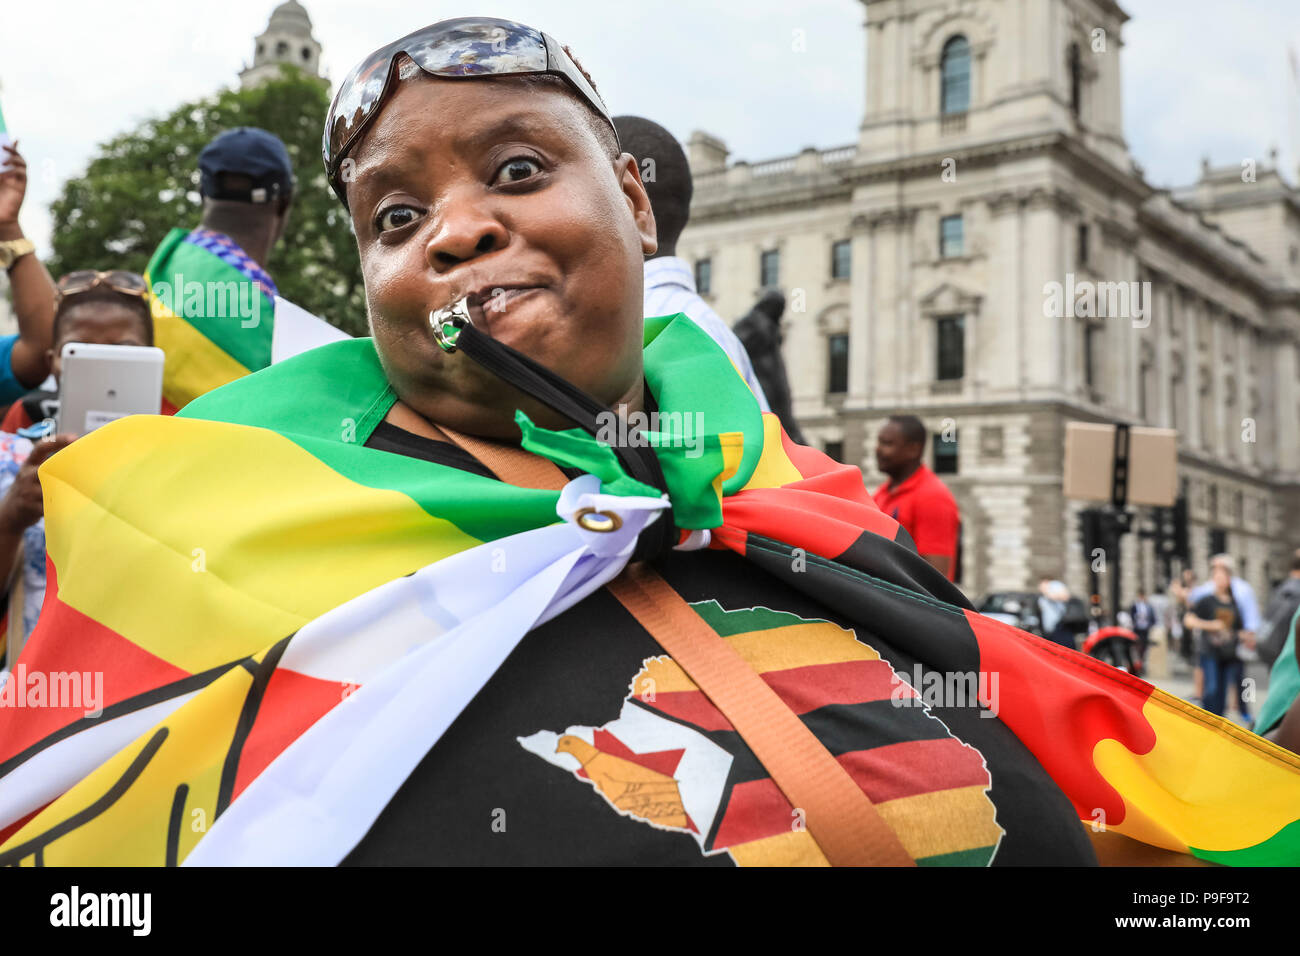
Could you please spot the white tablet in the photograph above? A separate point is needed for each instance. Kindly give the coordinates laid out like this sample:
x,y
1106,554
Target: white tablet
x,y
100,383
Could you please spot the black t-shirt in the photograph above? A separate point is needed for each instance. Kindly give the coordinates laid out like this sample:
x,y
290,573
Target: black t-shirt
x,y
1211,608
590,746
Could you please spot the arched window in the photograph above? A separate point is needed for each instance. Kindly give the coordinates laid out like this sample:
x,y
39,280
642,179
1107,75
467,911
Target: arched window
x,y
282,49
306,54
1076,80
954,65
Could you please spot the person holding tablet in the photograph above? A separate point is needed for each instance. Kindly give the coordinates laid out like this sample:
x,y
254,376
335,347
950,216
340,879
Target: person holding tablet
x,y
98,308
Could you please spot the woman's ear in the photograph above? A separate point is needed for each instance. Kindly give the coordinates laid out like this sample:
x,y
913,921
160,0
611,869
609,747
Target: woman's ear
x,y
629,179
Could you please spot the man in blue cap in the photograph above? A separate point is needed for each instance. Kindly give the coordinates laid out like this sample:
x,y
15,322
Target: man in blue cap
x,y
246,180
217,312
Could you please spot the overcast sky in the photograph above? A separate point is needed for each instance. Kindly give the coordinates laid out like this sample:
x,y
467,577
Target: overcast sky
x,y
1201,77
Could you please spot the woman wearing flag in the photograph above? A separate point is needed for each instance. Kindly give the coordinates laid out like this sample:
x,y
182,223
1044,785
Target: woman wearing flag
x,y
412,610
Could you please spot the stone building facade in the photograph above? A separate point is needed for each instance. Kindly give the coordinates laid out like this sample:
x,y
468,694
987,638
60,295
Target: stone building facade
x,y
989,256
286,39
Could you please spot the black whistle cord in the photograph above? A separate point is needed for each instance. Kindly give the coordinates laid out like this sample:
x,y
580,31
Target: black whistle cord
x,y
565,398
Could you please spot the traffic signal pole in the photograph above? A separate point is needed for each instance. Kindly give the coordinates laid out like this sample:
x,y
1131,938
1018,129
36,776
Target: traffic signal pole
x,y
1104,529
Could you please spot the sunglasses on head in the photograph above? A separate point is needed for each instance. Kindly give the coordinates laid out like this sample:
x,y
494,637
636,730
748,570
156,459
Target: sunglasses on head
x,y
119,280
467,47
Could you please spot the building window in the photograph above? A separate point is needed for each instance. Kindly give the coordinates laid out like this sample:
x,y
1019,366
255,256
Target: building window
x,y
1083,244
769,268
834,449
704,276
1218,541
1177,392
945,454
837,378
1076,81
306,54
954,65
1144,385
841,259
952,237
950,336
1090,356
282,49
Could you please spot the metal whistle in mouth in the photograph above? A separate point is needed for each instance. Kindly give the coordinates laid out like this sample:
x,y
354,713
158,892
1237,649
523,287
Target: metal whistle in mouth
x,y
448,321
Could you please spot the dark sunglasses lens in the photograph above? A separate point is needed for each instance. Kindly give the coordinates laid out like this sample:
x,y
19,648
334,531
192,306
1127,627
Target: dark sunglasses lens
x,y
79,278
480,48
355,101
469,46
127,280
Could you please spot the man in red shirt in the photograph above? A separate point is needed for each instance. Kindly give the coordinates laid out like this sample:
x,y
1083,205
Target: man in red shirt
x,y
914,496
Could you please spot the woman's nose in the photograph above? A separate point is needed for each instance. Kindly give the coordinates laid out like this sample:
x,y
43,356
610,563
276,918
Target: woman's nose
x,y
467,228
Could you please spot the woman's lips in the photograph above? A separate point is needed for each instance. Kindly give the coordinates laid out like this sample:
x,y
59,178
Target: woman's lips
x,y
495,312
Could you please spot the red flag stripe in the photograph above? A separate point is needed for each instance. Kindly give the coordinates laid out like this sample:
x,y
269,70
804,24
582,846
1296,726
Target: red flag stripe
x,y
1108,705
803,689
291,704
757,809
127,669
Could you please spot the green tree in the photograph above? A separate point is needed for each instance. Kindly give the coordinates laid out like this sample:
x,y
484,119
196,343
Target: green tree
x,y
145,182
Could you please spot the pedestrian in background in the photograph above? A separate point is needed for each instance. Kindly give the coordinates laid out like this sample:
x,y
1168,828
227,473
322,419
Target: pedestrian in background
x,y
1143,616
1219,619
670,280
913,495
1061,618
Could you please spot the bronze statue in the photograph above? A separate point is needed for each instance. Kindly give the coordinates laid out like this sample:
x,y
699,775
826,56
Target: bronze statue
x,y
760,333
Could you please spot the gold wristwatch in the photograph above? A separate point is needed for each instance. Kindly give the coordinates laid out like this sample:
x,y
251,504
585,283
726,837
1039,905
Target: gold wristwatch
x,y
14,249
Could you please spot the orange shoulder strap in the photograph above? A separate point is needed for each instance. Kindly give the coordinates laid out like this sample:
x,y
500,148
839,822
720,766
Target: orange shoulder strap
x,y
846,826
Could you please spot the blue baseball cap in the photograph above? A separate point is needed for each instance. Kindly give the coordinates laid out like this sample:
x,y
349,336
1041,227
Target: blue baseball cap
x,y
246,151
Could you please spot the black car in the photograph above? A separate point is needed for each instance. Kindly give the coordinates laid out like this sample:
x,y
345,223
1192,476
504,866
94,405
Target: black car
x,y
1017,608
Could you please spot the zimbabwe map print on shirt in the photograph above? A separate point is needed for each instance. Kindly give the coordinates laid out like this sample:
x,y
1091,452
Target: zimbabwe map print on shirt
x,y
671,760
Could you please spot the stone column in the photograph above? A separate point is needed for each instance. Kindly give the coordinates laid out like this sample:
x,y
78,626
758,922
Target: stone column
x,y
1039,356
1191,366
1245,451
862,318
1162,328
1218,387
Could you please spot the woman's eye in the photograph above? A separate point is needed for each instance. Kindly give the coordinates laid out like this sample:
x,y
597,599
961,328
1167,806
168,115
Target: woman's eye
x,y
521,167
395,217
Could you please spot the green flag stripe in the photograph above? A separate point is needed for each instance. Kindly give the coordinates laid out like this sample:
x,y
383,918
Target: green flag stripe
x,y
980,856
1280,849
218,300
726,623
329,400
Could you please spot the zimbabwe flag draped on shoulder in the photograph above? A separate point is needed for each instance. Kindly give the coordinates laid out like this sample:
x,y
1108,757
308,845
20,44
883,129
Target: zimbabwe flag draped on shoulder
x,y
258,627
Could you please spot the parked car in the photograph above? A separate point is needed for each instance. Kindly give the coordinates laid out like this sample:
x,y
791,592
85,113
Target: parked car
x,y
1017,608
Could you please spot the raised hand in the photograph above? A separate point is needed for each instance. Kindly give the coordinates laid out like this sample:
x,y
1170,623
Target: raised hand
x,y
13,186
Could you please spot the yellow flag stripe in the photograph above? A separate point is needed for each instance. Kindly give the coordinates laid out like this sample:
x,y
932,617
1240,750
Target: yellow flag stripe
x,y
233,562
796,848
942,821
194,365
1190,789
774,649
774,467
